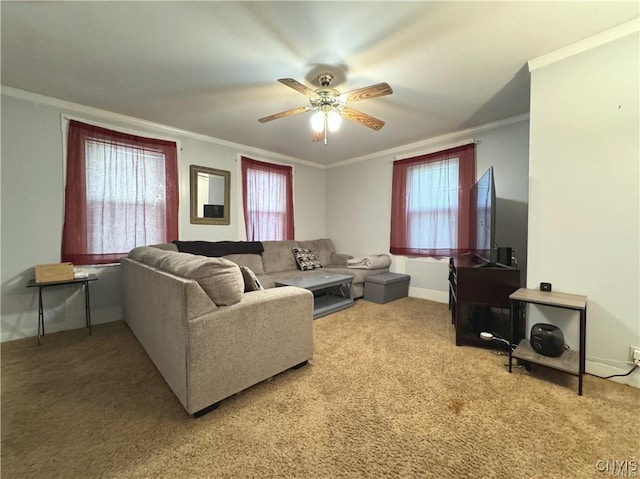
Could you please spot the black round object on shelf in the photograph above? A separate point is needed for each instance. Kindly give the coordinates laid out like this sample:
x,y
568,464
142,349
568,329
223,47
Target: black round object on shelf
x,y
547,339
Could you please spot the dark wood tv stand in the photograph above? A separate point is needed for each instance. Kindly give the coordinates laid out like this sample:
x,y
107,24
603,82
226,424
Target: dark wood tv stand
x,y
479,300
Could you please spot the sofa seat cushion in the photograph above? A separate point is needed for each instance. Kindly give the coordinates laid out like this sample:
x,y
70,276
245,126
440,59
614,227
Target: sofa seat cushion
x,y
220,278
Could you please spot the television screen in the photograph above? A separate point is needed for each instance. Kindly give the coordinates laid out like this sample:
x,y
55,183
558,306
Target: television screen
x,y
214,211
482,216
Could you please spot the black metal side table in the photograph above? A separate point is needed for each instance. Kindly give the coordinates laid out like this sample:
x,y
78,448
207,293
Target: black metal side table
x,y
571,361
87,305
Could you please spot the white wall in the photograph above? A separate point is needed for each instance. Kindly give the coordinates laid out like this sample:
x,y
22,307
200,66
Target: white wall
x,y
359,200
584,201
32,208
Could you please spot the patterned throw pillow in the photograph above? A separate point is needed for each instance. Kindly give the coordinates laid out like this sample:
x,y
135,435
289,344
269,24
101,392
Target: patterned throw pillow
x,y
306,259
251,282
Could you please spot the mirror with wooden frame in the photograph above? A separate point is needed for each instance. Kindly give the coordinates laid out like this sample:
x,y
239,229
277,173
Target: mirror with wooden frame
x,y
209,195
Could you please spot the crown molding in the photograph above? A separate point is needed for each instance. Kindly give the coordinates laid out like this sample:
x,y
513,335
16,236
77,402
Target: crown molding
x,y
603,38
458,137
105,115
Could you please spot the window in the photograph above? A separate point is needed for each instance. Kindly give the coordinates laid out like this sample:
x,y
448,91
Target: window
x,y
121,192
430,203
267,194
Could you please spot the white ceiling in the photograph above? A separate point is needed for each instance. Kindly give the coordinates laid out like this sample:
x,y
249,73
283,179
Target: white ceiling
x,y
211,67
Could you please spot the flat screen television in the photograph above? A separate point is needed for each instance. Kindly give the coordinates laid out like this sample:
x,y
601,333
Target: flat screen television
x,y
214,211
482,218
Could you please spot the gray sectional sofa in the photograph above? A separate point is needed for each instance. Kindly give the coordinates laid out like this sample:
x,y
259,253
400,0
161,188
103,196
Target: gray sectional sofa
x,y
208,337
277,261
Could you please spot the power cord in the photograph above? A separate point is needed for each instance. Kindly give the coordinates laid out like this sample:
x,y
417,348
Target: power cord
x,y
635,366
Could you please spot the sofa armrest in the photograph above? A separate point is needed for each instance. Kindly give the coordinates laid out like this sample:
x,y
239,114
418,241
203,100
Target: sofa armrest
x,y
340,259
156,306
236,346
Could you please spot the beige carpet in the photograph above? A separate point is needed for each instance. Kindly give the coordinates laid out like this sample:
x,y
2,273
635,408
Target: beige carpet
x,y
388,394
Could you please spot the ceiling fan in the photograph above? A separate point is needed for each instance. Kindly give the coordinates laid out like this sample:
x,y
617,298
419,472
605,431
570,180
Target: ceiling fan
x,y
331,105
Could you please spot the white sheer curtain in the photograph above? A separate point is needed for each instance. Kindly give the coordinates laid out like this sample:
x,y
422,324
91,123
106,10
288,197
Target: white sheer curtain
x,y
268,201
125,187
432,204
121,192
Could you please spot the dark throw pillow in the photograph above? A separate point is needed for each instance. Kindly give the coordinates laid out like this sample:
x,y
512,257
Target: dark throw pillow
x,y
251,282
305,259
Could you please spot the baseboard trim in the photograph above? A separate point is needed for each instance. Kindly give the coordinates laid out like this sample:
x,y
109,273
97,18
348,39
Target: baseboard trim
x,y
602,370
430,294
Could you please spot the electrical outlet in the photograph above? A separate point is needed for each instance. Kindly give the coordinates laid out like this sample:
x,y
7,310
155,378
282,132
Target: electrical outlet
x,y
634,353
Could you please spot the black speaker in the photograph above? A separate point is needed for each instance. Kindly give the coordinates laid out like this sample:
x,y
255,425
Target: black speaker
x,y
547,339
504,255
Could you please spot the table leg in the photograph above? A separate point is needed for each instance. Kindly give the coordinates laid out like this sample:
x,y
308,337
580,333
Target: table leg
x,y
583,345
512,307
40,315
87,305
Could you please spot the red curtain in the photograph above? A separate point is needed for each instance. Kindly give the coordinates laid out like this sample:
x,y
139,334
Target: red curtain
x,y
267,195
405,195
121,192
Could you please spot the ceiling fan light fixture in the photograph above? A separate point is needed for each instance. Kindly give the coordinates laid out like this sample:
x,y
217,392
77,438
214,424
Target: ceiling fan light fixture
x,y
330,106
317,121
327,116
334,120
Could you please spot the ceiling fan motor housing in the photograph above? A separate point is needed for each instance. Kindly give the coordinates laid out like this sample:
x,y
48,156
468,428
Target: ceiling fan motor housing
x,y
325,79
327,97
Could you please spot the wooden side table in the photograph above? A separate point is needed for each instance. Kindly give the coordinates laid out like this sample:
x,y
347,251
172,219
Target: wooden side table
x,y
571,362
87,306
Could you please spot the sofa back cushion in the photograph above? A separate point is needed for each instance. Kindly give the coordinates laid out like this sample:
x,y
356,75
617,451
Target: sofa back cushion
x,y
251,261
322,249
278,256
165,246
150,255
220,278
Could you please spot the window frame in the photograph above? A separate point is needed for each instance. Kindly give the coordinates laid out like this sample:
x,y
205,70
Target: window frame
x,y
75,240
285,214
400,241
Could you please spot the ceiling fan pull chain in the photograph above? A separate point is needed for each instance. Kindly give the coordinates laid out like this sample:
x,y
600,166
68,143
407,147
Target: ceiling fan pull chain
x,y
326,126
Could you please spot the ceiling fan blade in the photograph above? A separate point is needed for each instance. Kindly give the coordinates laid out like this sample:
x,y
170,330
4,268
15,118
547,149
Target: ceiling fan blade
x,y
373,91
277,116
296,85
362,118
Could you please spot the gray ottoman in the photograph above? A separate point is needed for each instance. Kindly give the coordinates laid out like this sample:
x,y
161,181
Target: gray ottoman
x,y
385,287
